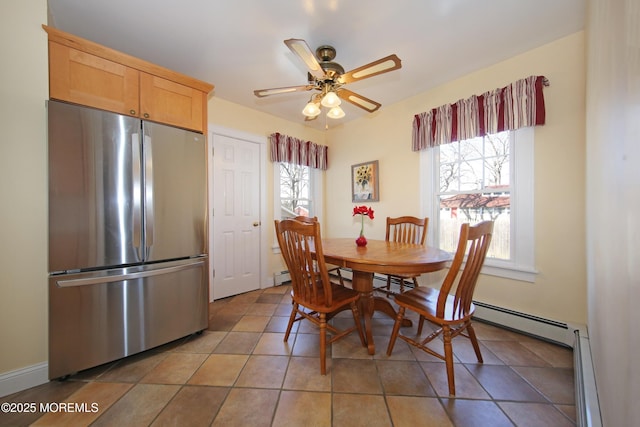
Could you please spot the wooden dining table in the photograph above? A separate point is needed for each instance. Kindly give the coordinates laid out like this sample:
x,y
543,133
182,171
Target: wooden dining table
x,y
380,256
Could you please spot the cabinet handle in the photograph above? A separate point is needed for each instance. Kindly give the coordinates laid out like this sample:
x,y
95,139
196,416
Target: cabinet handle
x,y
146,115
132,112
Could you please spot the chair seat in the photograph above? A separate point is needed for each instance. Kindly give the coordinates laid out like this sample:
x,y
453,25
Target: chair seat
x,y
424,300
341,296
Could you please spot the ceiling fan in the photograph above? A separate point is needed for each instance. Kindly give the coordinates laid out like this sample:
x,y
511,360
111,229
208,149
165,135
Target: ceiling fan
x,y
328,78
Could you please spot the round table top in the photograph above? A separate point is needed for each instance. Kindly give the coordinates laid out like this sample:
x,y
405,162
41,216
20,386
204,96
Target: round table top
x,y
380,256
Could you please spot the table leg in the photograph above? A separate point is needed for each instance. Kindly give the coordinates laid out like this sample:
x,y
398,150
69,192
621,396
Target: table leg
x,y
363,283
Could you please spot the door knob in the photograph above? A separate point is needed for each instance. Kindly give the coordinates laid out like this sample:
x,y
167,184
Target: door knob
x,y
257,223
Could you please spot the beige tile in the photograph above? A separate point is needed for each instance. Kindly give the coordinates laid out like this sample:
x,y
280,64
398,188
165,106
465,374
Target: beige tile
x,y
463,351
515,354
556,384
475,413
273,343
176,368
355,376
235,308
53,391
401,349
278,290
503,383
360,410
223,322
466,385
269,299
401,377
350,347
139,406
251,323
254,378
219,370
283,309
569,411
263,372
417,411
303,408
192,406
555,355
202,343
103,395
308,345
535,414
304,374
248,407
238,343
134,368
279,324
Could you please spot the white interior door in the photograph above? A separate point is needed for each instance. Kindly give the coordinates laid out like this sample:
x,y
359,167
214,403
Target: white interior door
x,y
236,216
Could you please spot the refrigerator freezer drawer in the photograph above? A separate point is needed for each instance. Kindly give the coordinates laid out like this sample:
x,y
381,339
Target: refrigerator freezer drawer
x,y
95,318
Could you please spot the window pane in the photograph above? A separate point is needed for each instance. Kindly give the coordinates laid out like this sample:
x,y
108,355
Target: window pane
x,y
475,208
471,173
449,177
475,186
294,190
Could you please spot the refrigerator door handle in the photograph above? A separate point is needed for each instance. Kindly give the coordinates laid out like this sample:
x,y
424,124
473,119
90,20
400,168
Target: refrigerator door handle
x,y
137,200
69,283
148,195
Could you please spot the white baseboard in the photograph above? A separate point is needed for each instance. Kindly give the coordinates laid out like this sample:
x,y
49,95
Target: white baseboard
x,y
23,378
574,336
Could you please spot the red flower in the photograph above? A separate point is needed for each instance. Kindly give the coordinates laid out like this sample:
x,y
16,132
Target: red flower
x,y
363,210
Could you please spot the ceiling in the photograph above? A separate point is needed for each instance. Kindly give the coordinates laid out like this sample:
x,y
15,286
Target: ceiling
x,y
237,45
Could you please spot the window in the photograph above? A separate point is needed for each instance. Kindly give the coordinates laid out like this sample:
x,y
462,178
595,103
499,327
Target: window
x,y
484,178
296,190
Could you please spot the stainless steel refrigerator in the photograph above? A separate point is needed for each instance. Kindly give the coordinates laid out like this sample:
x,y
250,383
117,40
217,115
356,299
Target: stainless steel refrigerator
x,y
127,236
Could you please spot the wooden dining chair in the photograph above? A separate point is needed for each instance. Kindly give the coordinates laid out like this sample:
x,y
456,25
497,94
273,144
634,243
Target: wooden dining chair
x,y
405,229
330,268
314,296
450,308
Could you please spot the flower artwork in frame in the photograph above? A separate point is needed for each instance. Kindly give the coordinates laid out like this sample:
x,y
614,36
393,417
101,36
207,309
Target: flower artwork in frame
x,y
364,182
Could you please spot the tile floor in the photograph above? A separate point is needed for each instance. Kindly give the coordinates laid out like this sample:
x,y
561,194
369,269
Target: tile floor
x,y
239,372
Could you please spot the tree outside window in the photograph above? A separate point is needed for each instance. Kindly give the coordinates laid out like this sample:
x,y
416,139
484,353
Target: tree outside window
x,y
295,190
475,185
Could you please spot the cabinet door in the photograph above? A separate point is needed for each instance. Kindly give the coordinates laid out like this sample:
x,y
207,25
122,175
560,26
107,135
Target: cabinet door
x,y
164,101
82,78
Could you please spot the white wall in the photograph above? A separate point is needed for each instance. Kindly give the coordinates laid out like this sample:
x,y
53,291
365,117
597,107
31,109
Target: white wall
x,y
613,205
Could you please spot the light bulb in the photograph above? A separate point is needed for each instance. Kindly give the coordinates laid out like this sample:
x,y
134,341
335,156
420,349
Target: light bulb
x,y
311,109
331,100
336,113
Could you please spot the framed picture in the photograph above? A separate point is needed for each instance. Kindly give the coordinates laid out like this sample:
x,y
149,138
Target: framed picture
x,y
364,182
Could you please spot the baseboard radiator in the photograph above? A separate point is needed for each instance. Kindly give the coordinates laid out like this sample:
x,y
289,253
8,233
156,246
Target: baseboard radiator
x,y
574,336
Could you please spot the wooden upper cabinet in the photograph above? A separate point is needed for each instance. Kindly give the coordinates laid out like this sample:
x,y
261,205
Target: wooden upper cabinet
x,y
168,102
86,73
87,79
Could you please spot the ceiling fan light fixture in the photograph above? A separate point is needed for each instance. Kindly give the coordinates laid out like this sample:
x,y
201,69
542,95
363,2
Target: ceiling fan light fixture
x,y
330,100
311,109
335,113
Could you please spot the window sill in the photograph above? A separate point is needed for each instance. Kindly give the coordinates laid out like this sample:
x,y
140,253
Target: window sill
x,y
508,271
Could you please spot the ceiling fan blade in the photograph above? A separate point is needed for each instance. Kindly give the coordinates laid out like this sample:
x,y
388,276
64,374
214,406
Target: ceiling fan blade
x,y
261,93
384,65
301,48
358,100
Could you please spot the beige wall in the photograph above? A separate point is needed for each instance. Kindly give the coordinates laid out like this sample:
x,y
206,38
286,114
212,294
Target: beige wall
x,y
23,185
559,289
558,292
